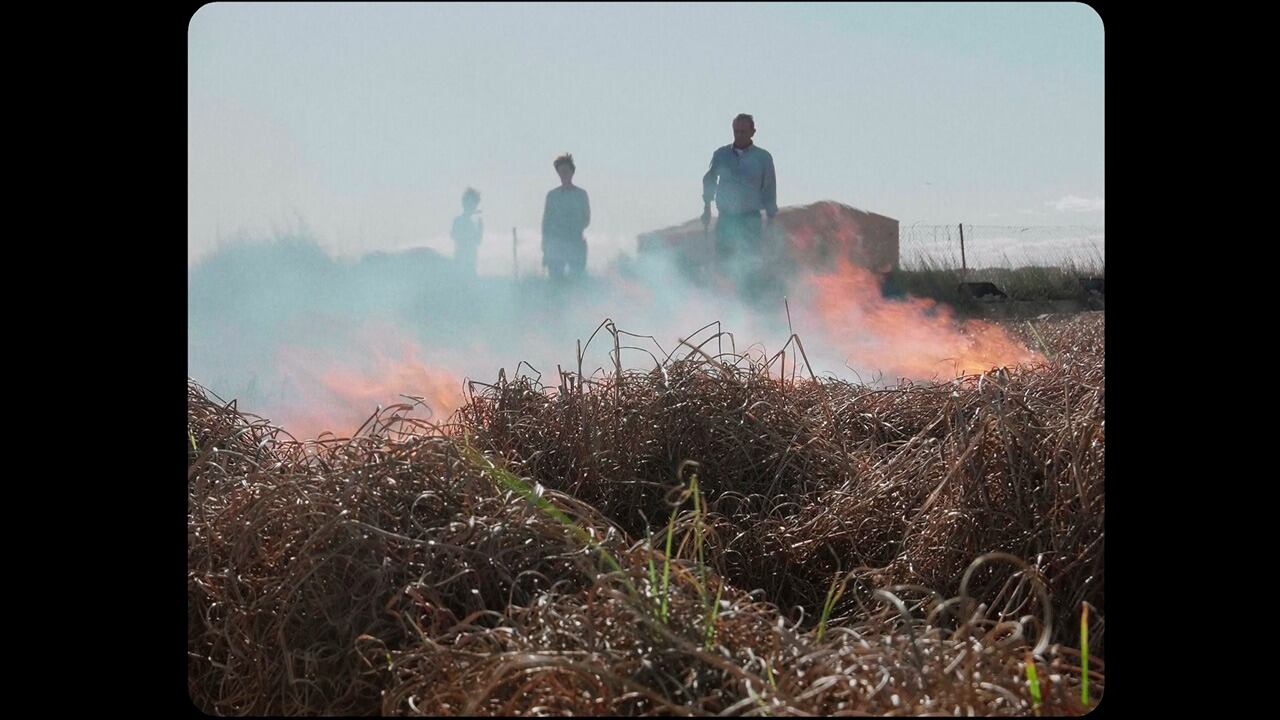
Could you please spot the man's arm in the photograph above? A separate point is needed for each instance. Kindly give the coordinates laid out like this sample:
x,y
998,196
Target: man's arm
x,y
769,190
586,209
709,182
709,190
546,217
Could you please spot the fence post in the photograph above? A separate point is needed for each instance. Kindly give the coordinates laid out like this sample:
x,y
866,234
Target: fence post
x,y
964,268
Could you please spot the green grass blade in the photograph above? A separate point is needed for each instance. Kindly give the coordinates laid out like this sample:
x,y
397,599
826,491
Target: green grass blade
x,y
666,564
1084,656
712,616
508,480
653,571
1034,682
833,596
1040,340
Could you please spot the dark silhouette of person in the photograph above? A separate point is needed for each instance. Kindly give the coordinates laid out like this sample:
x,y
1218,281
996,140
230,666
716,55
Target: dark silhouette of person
x,y
467,230
742,182
564,218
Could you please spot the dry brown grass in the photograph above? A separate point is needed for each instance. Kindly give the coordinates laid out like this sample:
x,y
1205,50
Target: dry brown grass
x,y
407,571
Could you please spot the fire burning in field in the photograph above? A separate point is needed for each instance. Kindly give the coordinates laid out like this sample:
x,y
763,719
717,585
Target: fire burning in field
x,y
344,339
911,338
337,396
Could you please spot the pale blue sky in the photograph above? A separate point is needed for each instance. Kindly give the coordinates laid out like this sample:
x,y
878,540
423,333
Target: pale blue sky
x,y
367,121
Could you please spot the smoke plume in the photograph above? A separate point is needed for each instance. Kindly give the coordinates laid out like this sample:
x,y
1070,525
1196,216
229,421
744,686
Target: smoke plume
x,y
317,343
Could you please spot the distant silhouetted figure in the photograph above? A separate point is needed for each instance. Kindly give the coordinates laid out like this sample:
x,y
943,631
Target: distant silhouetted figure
x,y
742,182
566,215
468,228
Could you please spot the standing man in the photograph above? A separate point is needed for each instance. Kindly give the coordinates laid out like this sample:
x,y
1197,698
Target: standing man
x,y
741,180
467,231
566,214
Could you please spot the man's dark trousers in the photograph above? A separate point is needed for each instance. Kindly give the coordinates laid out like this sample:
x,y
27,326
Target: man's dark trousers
x,y
740,249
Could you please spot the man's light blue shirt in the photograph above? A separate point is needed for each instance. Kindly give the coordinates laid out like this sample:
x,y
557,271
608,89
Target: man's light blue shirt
x,y
741,182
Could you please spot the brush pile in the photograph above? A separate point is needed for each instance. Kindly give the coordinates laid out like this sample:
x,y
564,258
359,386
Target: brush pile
x,y
698,538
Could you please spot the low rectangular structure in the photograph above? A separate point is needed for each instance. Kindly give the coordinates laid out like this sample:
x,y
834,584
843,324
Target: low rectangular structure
x,y
817,236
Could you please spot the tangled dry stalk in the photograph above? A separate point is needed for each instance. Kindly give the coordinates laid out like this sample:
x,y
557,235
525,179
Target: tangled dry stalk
x,y
833,548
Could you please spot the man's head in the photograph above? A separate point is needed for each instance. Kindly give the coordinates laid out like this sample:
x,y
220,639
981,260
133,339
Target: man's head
x,y
564,167
744,127
470,199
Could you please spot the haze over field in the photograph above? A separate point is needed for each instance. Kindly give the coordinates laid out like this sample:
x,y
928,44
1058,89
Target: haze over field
x,y
329,146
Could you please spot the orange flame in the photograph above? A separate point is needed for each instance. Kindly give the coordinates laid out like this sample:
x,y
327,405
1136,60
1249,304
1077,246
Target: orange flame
x,y
914,338
330,395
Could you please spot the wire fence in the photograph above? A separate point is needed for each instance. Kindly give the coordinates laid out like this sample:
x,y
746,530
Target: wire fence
x,y
1004,246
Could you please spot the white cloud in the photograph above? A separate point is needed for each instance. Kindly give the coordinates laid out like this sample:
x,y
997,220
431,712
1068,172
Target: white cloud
x,y
1072,203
